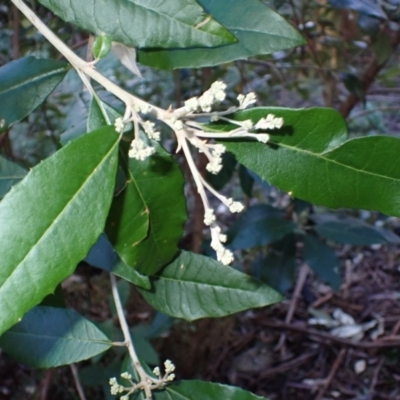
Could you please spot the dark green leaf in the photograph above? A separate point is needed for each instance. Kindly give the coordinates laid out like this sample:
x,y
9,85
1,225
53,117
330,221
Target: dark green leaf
x,y
200,390
277,269
24,85
322,260
259,30
157,184
49,221
348,230
10,174
195,286
48,337
103,256
246,181
310,158
145,23
258,226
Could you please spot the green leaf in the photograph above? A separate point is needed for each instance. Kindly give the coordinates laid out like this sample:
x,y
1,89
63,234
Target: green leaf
x,y
102,46
10,174
322,260
49,337
145,23
195,286
103,256
277,269
24,85
310,158
246,181
258,226
259,30
200,390
156,184
348,230
49,221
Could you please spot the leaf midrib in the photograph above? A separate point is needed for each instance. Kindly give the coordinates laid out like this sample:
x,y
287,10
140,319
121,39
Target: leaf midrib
x,y
60,213
59,338
32,80
322,157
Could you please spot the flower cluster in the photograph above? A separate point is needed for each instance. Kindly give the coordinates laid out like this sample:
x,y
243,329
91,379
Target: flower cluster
x,y
184,122
215,95
169,369
152,384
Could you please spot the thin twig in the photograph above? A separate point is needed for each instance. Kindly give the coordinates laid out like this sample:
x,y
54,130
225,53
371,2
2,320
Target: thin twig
x,y
388,342
374,380
78,385
293,303
332,374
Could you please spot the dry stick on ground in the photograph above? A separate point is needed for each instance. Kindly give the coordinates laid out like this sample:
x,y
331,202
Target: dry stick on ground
x,y
375,377
287,366
332,374
386,342
292,307
368,77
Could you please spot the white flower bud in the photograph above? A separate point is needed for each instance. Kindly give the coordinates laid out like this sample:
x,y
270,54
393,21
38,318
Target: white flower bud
x,y
263,137
140,150
271,122
248,124
192,105
209,216
119,125
245,101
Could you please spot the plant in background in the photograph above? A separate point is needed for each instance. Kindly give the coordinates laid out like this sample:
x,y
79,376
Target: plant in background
x,y
117,178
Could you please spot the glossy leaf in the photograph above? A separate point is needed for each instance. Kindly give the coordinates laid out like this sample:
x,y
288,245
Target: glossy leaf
x,y
24,85
310,158
145,23
323,260
278,267
258,226
195,286
49,337
49,221
157,183
10,174
103,256
259,30
200,390
348,230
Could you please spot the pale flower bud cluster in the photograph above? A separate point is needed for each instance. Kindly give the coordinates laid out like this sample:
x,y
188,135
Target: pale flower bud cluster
x,y
148,127
215,95
246,100
215,164
140,150
224,255
270,122
169,369
119,125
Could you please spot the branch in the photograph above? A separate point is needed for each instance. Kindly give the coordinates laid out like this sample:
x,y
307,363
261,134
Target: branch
x,y
368,77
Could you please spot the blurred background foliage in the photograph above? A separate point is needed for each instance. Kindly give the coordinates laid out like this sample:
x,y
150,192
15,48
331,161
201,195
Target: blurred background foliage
x,y
351,62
